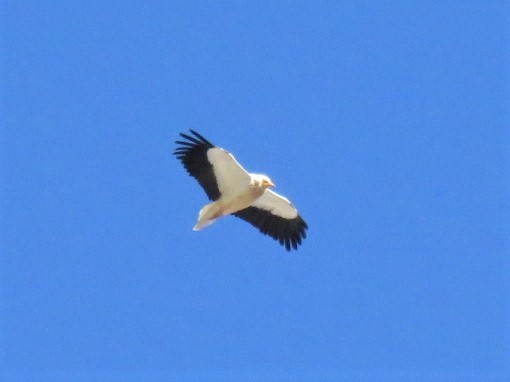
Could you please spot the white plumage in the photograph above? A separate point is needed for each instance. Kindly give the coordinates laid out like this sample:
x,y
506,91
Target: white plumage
x,y
236,192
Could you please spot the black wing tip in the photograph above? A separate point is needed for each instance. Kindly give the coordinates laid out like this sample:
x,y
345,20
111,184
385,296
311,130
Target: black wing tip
x,y
196,134
192,153
289,233
195,139
292,238
295,238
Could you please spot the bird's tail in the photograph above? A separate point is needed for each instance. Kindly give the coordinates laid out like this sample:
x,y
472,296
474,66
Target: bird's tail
x,y
208,215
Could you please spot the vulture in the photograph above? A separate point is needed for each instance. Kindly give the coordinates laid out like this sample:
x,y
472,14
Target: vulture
x,y
234,191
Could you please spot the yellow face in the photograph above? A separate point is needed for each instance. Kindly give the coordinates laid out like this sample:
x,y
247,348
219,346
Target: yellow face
x,y
266,182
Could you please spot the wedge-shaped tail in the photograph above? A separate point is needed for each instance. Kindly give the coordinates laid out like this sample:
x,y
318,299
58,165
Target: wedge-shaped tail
x,y
208,215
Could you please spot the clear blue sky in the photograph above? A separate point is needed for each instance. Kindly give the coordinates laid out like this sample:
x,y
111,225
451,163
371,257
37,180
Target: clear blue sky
x,y
386,123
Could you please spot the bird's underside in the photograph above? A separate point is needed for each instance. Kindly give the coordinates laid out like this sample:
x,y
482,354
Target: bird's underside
x,y
226,206
234,191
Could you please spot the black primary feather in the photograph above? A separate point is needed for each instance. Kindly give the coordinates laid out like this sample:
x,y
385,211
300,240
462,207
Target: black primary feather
x,y
289,232
193,155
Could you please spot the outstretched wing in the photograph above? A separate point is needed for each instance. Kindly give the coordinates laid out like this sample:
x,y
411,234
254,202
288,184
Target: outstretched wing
x,y
276,217
215,169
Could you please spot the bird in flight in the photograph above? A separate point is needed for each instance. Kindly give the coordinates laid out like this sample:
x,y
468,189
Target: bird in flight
x,y
234,191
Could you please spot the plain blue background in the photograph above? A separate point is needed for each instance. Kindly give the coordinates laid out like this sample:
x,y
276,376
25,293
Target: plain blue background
x,y
386,123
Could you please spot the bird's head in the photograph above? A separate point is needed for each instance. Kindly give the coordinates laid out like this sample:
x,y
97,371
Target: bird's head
x,y
263,181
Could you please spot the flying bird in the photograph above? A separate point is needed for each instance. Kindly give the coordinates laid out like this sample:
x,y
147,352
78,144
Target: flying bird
x,y
234,191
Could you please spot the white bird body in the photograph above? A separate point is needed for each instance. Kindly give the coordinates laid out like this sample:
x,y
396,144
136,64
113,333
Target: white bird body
x,y
238,188
236,192
225,206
